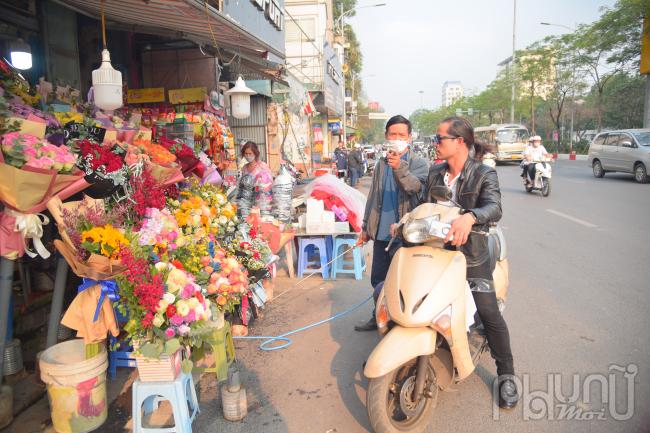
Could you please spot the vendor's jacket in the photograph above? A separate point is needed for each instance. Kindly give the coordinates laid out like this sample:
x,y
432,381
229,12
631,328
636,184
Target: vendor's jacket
x,y
411,178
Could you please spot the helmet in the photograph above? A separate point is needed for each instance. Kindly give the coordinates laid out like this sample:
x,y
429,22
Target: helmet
x,y
535,138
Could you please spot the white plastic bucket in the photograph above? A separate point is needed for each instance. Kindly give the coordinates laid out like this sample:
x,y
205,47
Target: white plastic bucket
x,y
76,386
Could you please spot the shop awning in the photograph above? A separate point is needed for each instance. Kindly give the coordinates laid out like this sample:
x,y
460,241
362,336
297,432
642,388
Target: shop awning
x,y
189,19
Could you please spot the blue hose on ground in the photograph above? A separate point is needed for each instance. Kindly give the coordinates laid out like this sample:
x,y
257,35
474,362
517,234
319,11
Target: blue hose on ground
x,y
287,341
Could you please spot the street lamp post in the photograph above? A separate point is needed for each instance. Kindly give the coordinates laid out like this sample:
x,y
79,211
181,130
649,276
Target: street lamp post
x,y
421,92
514,61
339,22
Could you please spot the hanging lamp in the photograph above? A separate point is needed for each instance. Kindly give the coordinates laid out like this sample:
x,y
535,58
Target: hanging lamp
x,y
240,99
20,54
107,82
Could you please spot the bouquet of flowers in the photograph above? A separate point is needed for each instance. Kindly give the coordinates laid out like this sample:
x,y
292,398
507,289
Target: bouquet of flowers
x,y
252,251
104,167
93,237
167,310
33,170
24,150
160,232
202,210
227,279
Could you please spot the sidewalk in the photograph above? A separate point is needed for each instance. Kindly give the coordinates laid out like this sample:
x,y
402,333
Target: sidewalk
x,y
565,156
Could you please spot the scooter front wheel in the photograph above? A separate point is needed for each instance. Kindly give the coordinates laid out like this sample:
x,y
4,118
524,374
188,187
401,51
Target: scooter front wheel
x,y
390,403
546,187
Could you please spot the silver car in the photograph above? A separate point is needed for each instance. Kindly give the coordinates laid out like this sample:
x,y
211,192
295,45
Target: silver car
x,y
626,151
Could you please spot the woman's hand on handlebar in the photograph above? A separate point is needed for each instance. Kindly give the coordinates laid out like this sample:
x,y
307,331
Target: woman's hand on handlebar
x,y
460,229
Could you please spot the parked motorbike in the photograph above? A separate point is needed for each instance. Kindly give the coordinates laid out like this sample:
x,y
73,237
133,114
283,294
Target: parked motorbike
x,y
542,182
430,341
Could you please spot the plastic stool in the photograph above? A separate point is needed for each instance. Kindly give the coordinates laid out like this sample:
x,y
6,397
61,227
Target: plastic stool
x,y
358,261
179,393
306,251
223,351
120,352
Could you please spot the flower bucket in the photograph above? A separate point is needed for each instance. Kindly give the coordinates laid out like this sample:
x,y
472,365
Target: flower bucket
x,y
76,386
163,369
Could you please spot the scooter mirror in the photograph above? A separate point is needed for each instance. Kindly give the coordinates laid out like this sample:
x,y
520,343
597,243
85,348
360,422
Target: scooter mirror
x,y
440,193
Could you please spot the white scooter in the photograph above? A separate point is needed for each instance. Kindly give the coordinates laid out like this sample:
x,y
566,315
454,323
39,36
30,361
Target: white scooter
x,y
542,182
424,311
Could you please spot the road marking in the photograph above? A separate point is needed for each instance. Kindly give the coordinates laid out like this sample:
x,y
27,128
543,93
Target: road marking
x,y
574,219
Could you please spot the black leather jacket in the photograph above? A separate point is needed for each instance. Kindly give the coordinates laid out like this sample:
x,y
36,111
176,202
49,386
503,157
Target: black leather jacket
x,y
478,192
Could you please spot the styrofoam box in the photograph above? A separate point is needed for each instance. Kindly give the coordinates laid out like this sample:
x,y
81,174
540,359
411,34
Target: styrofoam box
x,y
315,206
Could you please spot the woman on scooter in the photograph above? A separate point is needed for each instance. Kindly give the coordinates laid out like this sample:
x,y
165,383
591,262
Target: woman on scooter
x,y
475,188
534,153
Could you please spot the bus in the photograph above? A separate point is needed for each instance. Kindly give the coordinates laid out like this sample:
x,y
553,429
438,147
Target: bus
x,y
507,141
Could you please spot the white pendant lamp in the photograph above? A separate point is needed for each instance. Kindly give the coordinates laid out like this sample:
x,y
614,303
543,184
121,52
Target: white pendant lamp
x,y
107,82
21,55
240,99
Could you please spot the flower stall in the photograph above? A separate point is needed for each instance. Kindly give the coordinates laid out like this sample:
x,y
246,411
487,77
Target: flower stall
x,y
144,220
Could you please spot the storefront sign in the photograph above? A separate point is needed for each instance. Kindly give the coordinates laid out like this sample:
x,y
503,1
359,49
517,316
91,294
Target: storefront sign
x,y
184,96
142,96
333,73
273,12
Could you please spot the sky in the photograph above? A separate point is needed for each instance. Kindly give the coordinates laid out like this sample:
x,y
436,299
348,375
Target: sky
x,y
413,45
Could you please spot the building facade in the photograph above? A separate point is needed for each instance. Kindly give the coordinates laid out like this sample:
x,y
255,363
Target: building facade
x,y
451,92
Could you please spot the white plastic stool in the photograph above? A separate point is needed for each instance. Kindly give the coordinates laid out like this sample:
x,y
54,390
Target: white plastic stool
x,y
179,393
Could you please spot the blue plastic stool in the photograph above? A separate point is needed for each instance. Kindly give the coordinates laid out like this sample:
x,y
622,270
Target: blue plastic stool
x,y
306,253
179,393
340,265
120,352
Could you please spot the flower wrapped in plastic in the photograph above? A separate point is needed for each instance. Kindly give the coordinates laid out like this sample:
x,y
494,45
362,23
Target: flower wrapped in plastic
x,y
104,167
92,237
32,172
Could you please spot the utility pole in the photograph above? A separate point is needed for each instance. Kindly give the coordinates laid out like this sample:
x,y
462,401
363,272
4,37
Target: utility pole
x,y
646,110
514,61
421,92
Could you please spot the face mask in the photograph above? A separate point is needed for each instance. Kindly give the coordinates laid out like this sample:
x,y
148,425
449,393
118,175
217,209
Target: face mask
x,y
250,158
397,146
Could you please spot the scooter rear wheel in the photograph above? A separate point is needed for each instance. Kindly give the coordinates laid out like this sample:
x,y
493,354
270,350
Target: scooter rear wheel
x,y
389,403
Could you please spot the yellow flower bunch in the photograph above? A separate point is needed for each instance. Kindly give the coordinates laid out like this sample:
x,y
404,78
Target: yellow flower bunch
x,y
104,240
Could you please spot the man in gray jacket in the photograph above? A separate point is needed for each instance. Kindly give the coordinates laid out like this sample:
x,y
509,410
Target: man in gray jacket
x,y
396,188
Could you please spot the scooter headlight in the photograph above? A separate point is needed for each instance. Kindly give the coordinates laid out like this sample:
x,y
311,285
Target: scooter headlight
x,y
421,230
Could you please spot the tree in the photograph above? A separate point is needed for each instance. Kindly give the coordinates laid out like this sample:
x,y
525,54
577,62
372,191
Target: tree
x,y
610,45
535,75
623,102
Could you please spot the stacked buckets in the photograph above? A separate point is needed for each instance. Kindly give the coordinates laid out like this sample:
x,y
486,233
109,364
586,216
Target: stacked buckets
x,y
76,386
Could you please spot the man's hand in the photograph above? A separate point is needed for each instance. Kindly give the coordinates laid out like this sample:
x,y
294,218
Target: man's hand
x,y
393,160
363,238
393,229
460,229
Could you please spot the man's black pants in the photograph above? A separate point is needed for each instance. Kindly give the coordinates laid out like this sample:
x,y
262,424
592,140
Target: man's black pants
x,y
496,329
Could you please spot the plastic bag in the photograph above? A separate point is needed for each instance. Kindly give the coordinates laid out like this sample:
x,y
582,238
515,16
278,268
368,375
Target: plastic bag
x,y
282,192
353,200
